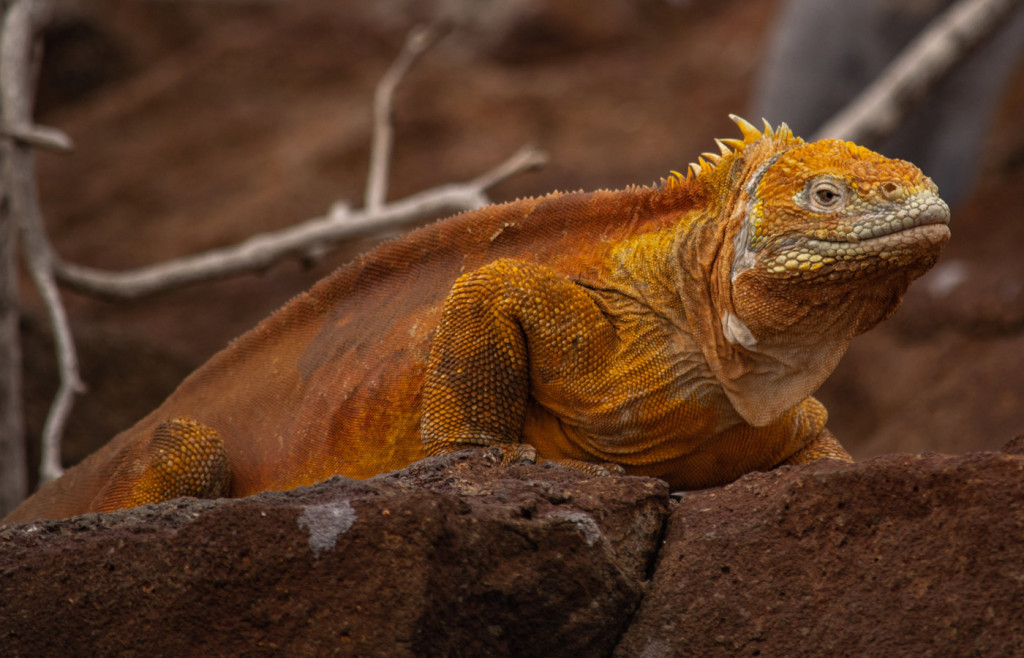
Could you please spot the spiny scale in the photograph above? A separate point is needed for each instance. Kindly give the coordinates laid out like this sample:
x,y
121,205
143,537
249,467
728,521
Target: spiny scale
x,y
728,146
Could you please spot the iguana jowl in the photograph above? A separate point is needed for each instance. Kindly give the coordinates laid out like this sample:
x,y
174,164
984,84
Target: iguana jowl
x,y
675,331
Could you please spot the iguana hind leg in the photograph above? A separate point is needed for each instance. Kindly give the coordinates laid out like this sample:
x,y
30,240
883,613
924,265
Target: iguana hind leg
x,y
181,458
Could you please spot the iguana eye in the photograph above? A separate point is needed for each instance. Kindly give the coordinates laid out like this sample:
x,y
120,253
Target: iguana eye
x,y
826,196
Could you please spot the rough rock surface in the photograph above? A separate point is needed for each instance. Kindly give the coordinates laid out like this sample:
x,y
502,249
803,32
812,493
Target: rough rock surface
x,y
900,555
449,557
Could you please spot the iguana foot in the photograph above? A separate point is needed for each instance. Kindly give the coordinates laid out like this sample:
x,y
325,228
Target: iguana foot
x,y
517,453
599,469
524,453
512,454
824,446
507,454
181,458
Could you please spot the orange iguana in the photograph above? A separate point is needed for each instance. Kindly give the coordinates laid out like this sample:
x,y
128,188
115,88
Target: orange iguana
x,y
674,331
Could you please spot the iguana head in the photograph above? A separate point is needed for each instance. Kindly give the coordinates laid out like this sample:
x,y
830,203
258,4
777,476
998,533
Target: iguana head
x,y
832,211
815,243
828,224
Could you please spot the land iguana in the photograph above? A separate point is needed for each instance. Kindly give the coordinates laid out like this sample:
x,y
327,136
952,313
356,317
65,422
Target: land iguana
x,y
676,330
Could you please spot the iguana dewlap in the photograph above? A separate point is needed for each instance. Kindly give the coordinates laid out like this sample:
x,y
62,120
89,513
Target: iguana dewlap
x,y
677,331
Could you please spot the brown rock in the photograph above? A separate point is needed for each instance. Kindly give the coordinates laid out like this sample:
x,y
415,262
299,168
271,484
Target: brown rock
x,y
1014,446
451,556
900,555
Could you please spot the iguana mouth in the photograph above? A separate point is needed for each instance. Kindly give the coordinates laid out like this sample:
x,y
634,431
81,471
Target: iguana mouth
x,y
920,222
928,232
923,209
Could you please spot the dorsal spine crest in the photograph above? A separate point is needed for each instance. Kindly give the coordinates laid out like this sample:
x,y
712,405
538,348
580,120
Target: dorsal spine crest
x,y
709,161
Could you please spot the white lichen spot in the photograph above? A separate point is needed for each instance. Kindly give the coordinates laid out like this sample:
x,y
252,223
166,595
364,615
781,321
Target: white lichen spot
x,y
325,523
657,649
583,522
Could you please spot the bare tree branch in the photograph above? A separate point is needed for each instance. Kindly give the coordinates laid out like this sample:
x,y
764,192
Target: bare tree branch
x,y
261,251
40,137
416,43
13,472
315,235
40,267
880,108
13,475
23,23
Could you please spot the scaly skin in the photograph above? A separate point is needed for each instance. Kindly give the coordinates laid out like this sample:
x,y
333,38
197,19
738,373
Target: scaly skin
x,y
675,331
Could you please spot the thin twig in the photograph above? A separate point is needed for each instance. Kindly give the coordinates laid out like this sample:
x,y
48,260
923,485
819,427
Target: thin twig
x,y
522,160
41,271
922,65
13,467
420,38
45,137
21,26
23,23
260,251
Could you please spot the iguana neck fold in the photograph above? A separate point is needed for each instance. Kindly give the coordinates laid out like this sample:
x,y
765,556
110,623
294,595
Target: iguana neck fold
x,y
763,374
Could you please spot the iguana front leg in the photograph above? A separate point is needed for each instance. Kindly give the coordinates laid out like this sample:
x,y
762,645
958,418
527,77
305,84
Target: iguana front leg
x,y
181,458
506,327
513,331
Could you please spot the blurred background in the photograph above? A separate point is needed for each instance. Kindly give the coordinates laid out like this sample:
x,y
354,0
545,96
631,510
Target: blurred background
x,y
199,123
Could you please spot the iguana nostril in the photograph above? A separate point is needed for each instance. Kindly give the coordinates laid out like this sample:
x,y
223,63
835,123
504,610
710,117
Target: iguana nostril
x,y
937,212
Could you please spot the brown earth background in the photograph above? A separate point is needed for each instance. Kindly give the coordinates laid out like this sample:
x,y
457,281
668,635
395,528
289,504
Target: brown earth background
x,y
199,124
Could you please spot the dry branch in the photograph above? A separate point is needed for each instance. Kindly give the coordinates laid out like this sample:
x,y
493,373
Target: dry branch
x,y
904,84
13,473
315,235
416,43
19,58
260,251
40,137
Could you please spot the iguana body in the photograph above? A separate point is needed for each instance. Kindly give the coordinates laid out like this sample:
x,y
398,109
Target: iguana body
x,y
677,331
